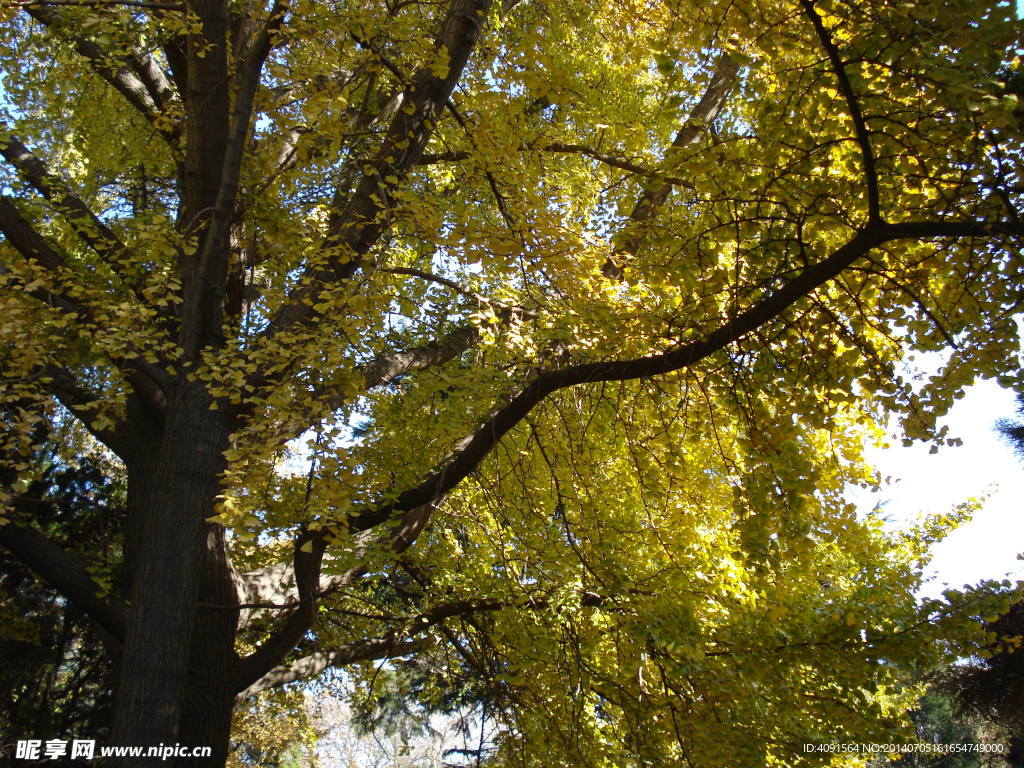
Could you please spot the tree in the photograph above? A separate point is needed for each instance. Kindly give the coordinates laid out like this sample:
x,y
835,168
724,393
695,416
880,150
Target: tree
x,y
55,666
937,720
575,316
273,730
989,686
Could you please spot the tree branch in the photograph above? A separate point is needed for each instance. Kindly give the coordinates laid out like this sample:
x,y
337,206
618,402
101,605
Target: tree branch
x,y
356,224
306,563
204,316
476,446
85,223
79,401
656,193
932,230
29,243
499,199
40,294
398,642
386,368
67,573
274,587
154,78
147,379
570,149
125,80
853,107
270,585
315,663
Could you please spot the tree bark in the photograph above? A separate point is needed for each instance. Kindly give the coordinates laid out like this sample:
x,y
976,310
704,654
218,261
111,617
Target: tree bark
x,y
210,693
175,677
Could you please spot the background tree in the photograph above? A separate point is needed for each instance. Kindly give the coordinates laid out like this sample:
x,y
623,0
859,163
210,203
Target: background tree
x,y
977,700
574,315
392,727
274,730
939,719
54,665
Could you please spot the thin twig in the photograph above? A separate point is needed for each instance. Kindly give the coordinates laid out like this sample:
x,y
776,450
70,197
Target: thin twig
x,y
441,280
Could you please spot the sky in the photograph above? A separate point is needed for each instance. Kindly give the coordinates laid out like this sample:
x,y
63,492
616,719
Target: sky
x,y
988,546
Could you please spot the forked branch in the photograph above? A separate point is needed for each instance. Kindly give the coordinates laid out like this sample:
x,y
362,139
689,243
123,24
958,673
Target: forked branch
x,y
357,223
478,445
213,258
306,564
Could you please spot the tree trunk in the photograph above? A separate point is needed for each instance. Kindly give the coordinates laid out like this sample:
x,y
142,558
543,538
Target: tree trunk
x,y
177,667
210,694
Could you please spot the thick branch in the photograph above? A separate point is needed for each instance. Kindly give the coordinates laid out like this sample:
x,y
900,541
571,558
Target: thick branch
x,y
125,80
358,223
387,368
315,663
205,318
85,223
154,78
930,230
22,236
62,384
29,243
656,193
273,585
146,378
40,294
67,573
380,371
853,107
480,443
306,564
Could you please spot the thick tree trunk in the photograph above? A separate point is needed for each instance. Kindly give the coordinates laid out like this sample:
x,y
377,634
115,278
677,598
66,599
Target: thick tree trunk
x,y
177,667
210,691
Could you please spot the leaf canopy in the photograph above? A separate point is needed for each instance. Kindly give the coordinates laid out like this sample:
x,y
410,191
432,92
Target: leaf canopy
x,y
555,330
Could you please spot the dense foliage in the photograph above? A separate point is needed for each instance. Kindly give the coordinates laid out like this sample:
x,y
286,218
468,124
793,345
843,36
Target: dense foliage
x,y
939,720
54,669
537,341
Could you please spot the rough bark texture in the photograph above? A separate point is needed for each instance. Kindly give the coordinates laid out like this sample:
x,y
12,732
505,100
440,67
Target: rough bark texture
x,y
210,688
175,671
